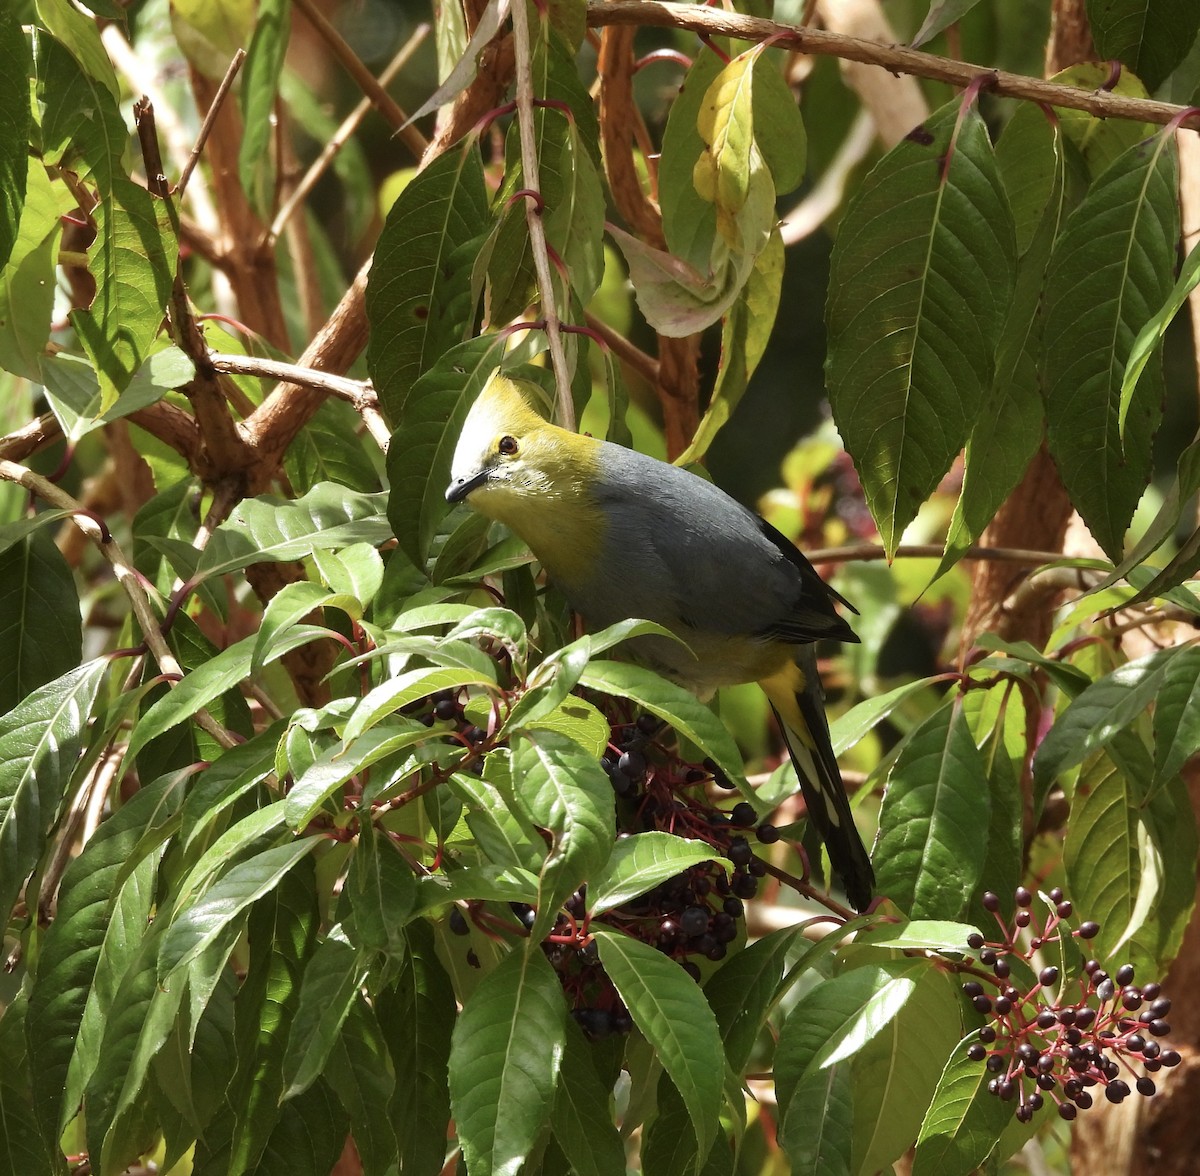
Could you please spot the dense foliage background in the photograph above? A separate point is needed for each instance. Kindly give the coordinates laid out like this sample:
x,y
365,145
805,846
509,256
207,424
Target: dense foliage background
x,y
329,843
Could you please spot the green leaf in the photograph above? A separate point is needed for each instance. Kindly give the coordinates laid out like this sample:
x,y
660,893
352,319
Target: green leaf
x,y
824,1100
744,336
382,892
505,1056
285,609
282,930
15,68
82,127
133,262
895,1074
689,221
568,159
199,688
640,862
200,923
333,768
941,15
360,1073
582,1125
1101,850
1177,714
389,696
741,993
963,1121
333,976
1097,715
272,530
504,833
422,446
40,740
921,280
140,1018
27,281
417,1015
676,705
835,1019
566,792
934,820
89,918
81,38
1109,273
1151,37
327,449
260,82
24,1149
1149,338
1009,427
41,632
419,291
672,1015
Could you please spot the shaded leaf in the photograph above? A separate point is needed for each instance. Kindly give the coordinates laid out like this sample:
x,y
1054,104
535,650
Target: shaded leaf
x,y
40,740
419,291
934,820
504,1060
200,924
1151,37
417,1015
260,82
1109,273
921,280
14,128
41,631
673,1016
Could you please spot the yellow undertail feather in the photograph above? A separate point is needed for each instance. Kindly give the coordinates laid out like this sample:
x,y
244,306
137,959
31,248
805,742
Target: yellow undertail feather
x,y
798,701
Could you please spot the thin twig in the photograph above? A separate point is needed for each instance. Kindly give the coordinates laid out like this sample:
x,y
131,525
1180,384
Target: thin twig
x,y
367,82
712,22
645,365
341,137
129,580
358,393
533,212
28,439
209,119
869,552
144,80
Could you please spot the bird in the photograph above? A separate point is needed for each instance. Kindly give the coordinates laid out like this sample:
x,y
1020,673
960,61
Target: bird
x,y
623,535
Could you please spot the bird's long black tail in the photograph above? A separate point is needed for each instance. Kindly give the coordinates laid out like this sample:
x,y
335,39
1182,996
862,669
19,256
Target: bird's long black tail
x,y
798,701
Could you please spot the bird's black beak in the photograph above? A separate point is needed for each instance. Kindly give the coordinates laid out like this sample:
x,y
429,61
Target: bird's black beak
x,y
461,487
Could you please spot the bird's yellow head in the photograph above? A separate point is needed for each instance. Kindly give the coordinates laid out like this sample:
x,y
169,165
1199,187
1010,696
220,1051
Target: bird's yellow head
x,y
510,462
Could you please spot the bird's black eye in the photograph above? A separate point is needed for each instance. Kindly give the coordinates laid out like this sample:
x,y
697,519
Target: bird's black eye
x,y
508,446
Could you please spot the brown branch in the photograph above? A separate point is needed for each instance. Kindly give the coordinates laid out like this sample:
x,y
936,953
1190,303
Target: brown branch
x,y
222,445
357,393
617,118
368,83
276,422
28,439
711,22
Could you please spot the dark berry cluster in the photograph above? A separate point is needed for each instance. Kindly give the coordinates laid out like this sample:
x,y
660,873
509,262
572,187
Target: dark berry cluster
x,y
690,917
1058,1040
